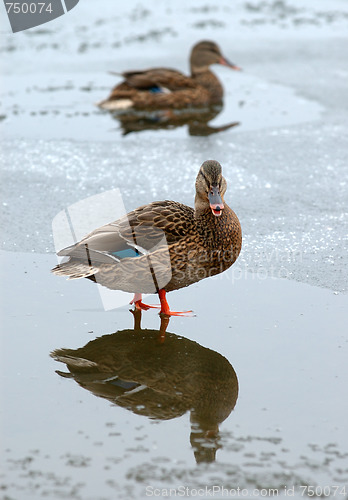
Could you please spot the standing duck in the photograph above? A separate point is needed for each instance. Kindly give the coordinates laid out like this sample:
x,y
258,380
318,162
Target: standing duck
x,y
163,88
162,246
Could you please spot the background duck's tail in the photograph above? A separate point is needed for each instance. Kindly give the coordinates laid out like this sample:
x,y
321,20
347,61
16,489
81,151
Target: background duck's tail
x,y
115,104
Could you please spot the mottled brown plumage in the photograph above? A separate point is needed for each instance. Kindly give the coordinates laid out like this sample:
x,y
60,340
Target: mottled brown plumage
x,y
164,88
173,245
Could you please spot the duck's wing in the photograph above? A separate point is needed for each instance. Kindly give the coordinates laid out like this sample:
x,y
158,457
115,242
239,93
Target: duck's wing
x,y
157,79
135,234
158,88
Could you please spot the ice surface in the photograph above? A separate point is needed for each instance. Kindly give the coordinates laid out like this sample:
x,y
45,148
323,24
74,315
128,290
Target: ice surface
x,y
287,173
286,163
288,187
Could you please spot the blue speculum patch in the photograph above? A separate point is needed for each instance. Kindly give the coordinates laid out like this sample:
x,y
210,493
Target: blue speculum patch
x,y
127,252
156,90
124,384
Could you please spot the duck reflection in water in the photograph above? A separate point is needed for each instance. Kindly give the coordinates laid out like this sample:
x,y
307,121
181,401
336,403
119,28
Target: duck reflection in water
x,y
159,375
197,121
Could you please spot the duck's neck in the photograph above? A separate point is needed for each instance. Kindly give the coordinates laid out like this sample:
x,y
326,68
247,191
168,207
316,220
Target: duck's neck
x,y
208,80
201,207
211,227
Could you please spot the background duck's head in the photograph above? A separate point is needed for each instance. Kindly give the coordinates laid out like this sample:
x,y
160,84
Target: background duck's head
x,y
206,53
210,187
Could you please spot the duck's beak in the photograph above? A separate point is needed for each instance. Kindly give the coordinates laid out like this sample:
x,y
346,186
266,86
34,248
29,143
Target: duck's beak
x,y
215,201
226,62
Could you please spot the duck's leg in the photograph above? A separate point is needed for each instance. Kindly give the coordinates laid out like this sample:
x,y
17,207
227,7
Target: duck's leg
x,y
139,304
137,318
163,328
165,307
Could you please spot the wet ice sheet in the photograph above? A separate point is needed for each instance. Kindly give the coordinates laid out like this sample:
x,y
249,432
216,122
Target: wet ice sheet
x,y
65,107
287,182
288,186
288,427
72,59
287,179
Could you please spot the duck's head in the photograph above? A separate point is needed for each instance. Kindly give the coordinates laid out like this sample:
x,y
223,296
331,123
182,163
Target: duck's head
x,y
206,53
210,187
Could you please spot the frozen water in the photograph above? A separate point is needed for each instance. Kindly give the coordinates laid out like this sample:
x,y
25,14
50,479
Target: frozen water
x,y
287,185
286,167
286,162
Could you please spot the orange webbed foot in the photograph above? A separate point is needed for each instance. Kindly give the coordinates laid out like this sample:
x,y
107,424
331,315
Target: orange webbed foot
x,y
165,309
187,314
144,307
139,304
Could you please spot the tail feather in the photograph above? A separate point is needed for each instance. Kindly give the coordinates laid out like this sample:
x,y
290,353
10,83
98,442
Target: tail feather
x,y
74,270
74,361
83,263
115,104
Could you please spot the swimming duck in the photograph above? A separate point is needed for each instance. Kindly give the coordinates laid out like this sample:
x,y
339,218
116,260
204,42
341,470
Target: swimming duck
x,y
162,246
163,88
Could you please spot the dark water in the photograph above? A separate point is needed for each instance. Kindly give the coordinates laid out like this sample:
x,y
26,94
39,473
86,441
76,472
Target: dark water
x,y
283,343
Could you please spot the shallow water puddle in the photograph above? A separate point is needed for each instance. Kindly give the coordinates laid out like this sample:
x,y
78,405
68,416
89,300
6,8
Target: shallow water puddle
x,y
103,436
